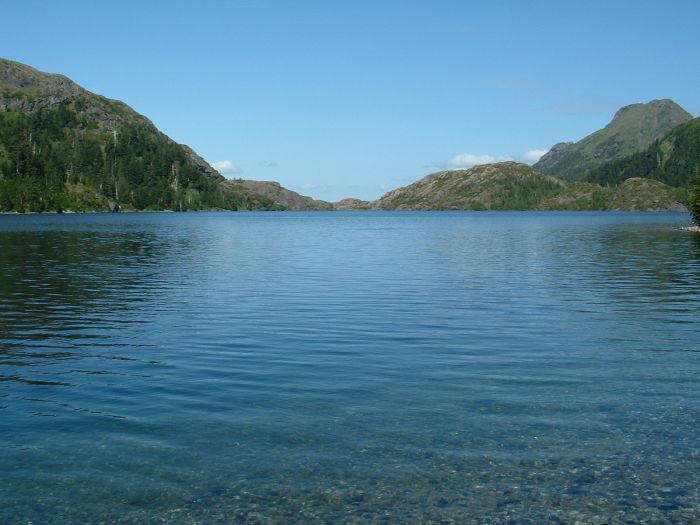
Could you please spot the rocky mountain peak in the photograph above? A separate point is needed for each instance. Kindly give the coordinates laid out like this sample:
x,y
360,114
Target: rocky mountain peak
x,y
26,89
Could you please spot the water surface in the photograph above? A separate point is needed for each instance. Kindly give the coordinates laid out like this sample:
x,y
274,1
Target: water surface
x,y
349,367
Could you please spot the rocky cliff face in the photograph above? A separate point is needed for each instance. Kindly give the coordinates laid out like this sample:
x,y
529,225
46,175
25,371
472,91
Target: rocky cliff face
x,y
25,89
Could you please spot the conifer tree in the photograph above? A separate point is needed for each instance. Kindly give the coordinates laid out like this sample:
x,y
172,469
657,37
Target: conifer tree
x,y
694,204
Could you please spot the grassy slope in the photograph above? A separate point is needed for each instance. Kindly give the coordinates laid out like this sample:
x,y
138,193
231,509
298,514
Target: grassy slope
x,y
634,128
673,160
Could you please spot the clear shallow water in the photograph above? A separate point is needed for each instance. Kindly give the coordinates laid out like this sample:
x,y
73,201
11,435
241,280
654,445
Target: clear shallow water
x,y
349,367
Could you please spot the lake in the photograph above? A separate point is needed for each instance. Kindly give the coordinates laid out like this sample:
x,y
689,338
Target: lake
x,y
360,367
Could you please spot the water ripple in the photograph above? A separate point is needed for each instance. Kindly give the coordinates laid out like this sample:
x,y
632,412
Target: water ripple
x,y
335,367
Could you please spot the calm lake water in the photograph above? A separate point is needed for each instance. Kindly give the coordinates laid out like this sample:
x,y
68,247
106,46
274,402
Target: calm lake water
x,y
349,368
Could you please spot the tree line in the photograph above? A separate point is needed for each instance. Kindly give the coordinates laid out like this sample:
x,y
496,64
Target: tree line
x,y
63,157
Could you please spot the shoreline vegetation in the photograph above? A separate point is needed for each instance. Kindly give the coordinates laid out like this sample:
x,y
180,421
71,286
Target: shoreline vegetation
x,y
64,149
331,210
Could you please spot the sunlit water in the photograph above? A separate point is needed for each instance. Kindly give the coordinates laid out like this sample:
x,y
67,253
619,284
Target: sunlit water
x,y
349,367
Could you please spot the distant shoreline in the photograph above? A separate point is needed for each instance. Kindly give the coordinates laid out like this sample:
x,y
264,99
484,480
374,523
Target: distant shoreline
x,y
129,212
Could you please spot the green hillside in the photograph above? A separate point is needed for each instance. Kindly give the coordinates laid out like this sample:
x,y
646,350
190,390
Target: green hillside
x,y
673,160
514,186
633,128
64,148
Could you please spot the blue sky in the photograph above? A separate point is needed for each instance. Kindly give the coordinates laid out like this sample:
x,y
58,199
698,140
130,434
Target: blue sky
x,y
337,99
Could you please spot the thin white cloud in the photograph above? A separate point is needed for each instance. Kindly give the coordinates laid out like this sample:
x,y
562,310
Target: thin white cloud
x,y
469,159
534,154
227,167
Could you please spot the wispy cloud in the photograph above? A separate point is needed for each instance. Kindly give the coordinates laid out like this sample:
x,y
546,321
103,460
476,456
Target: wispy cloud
x,y
470,159
534,155
268,164
227,167
467,160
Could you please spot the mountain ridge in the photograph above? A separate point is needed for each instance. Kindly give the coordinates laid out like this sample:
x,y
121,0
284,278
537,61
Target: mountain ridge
x,y
633,128
516,186
64,148
673,160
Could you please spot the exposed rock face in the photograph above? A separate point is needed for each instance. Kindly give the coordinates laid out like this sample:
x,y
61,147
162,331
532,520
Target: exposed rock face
x,y
505,185
633,128
513,186
43,89
645,195
553,156
280,196
352,204
202,164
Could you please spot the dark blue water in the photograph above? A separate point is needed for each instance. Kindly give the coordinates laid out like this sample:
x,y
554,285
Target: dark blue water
x,y
349,368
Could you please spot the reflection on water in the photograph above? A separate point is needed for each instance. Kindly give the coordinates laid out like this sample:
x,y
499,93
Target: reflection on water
x,y
331,367
65,294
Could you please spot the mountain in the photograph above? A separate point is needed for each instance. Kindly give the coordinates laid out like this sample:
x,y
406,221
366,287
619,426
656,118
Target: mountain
x,y
501,186
673,160
515,186
632,129
644,159
352,204
271,195
65,148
